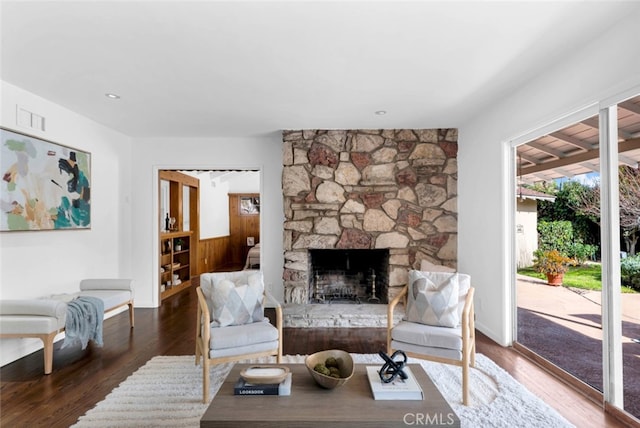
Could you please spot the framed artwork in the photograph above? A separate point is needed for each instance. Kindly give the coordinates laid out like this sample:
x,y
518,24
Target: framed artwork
x,y
249,205
45,185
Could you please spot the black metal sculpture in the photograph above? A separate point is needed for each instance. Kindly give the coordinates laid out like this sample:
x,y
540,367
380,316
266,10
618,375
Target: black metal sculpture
x,y
392,368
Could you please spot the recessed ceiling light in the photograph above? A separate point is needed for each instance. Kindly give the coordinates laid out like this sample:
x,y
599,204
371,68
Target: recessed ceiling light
x,y
112,96
381,112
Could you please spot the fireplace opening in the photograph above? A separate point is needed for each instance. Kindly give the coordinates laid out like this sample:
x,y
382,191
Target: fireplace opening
x,y
348,276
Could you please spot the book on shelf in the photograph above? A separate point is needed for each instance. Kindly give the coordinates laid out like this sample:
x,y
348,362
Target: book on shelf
x,y
399,389
242,387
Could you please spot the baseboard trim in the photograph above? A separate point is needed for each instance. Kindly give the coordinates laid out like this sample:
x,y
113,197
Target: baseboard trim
x,y
624,417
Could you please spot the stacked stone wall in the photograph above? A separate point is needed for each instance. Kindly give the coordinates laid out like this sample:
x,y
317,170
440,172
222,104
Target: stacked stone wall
x,y
368,189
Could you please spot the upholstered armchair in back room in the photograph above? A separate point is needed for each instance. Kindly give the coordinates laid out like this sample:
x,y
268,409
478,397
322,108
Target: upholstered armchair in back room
x,y
231,325
439,321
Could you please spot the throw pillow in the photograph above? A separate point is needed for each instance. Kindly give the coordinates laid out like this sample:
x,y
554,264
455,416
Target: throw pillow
x,y
433,298
237,303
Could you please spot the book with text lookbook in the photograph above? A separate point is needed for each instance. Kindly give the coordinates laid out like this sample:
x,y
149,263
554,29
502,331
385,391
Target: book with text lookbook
x,y
399,389
242,387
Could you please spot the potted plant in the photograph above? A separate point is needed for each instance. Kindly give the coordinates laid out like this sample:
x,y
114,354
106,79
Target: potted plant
x,y
553,264
178,244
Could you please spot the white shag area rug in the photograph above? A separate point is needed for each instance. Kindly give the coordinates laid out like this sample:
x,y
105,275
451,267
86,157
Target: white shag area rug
x,y
167,392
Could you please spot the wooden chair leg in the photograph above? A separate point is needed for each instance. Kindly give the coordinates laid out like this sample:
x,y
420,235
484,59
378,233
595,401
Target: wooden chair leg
x,y
465,383
279,356
198,352
205,379
473,354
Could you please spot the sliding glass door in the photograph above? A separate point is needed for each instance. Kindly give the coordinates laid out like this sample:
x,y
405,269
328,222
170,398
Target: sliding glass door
x,y
628,146
558,287
577,209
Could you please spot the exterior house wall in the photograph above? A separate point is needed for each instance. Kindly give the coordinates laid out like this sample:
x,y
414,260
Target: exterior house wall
x,y
526,231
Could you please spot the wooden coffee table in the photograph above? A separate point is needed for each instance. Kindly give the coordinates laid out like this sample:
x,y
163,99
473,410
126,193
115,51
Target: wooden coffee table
x,y
351,405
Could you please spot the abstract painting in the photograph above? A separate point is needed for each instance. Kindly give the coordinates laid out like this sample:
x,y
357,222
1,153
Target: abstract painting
x,y
45,186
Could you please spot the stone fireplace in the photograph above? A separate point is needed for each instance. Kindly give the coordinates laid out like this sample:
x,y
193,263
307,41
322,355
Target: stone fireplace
x,y
391,190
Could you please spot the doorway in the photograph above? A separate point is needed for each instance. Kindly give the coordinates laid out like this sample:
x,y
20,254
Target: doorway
x,y
227,229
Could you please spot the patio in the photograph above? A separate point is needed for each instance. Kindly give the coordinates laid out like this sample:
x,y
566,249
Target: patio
x,y
563,325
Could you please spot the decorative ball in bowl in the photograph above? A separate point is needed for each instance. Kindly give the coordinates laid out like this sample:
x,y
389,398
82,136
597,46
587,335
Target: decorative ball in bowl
x,y
330,369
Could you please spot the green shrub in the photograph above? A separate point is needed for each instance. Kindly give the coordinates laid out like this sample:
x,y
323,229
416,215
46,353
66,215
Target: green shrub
x,y
630,271
581,252
558,235
555,235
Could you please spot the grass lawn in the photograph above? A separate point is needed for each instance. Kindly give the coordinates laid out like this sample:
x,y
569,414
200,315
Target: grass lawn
x,y
588,277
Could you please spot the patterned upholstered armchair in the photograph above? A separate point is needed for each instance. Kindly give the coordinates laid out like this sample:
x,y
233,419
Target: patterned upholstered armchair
x,y
230,321
439,321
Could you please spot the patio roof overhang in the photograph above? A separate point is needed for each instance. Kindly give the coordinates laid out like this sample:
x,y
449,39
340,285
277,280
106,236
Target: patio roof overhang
x,y
574,150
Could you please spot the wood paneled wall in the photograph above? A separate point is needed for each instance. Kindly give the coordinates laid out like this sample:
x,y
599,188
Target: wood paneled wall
x,y
241,226
214,253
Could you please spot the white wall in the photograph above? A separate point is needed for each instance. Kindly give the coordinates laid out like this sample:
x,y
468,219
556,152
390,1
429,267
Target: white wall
x,y
244,182
214,200
600,70
152,154
214,209
40,263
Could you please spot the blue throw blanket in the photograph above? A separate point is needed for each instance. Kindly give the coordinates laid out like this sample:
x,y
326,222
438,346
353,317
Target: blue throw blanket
x,y
84,321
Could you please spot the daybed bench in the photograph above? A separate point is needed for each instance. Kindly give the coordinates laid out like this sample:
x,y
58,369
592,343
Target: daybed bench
x,y
45,318
253,258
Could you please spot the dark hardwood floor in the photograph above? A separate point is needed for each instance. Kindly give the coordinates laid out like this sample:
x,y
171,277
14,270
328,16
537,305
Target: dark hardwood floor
x,y
82,378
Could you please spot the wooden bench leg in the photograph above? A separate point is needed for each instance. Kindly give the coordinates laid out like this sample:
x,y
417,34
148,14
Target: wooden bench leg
x,y
47,340
131,313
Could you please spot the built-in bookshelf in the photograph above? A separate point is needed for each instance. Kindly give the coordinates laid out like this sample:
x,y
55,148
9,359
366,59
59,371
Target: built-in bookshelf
x,y
179,231
175,262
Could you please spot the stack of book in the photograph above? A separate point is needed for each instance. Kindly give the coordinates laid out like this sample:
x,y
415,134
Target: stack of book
x,y
399,389
242,387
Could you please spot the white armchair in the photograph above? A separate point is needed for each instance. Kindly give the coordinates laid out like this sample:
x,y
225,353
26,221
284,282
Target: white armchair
x,y
230,323
439,322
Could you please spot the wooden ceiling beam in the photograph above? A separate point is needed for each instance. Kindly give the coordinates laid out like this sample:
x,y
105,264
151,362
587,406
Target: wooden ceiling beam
x,y
623,146
529,159
591,166
548,150
593,122
629,106
627,161
573,141
565,172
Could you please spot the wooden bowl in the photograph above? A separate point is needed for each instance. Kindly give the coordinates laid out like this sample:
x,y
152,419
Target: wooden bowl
x,y
265,374
345,365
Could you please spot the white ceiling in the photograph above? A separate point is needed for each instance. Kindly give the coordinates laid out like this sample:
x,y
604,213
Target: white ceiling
x,y
236,68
